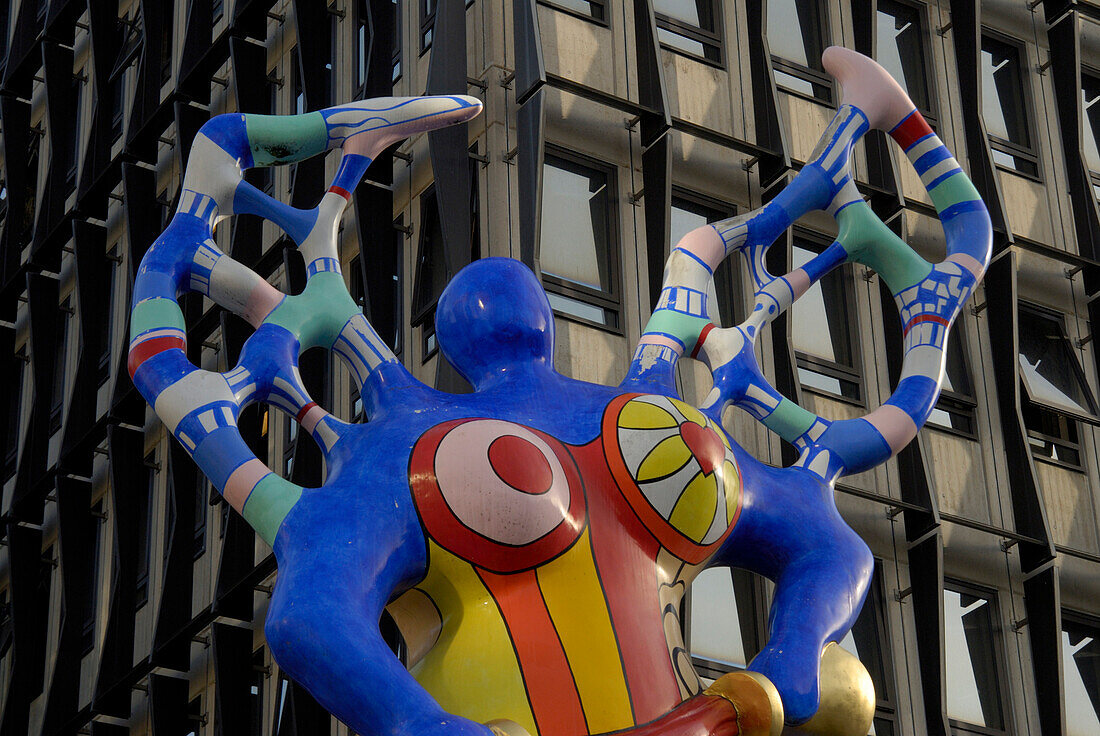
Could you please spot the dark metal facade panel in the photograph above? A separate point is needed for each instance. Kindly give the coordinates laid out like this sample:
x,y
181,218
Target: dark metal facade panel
x,y
966,30
765,99
31,476
530,151
92,186
657,186
168,697
19,67
171,647
148,117
1065,58
19,218
233,679
527,39
1037,557
76,527
313,25
30,605
92,272
199,55
115,677
448,146
57,63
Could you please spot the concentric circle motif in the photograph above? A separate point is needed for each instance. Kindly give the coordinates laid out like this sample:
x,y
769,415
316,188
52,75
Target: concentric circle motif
x,y
676,468
500,495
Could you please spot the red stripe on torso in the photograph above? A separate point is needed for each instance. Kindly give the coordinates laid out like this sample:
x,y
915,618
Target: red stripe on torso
x,y
626,556
551,690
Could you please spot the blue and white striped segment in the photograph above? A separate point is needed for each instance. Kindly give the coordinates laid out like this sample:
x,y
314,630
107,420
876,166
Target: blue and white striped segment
x,y
929,296
201,408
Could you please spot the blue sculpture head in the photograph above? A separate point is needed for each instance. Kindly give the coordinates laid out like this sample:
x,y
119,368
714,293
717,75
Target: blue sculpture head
x,y
492,318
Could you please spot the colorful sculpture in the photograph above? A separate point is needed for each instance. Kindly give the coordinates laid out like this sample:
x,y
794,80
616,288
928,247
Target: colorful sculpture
x,y
533,539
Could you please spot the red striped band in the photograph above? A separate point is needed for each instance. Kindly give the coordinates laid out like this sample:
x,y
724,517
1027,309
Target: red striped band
x,y
341,191
148,348
923,318
910,130
702,338
304,410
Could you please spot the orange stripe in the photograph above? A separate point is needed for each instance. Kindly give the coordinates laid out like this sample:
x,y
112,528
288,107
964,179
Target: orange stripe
x,y
550,687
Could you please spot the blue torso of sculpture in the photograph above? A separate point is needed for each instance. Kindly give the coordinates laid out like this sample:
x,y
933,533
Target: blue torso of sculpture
x,y
533,539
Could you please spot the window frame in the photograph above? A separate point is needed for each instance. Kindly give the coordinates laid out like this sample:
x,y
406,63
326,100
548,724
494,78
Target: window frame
x,y
1059,319
62,338
604,21
1000,660
427,23
996,143
830,369
930,115
805,73
1083,620
611,301
955,402
751,597
714,39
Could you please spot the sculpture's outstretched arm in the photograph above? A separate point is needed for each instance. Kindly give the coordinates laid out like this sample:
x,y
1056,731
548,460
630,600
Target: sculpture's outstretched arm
x,y
820,566
929,296
201,407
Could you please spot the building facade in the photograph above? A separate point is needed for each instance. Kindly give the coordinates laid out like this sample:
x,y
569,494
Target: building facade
x,y
132,599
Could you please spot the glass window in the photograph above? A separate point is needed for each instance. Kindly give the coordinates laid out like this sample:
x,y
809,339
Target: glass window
x,y
593,9
427,23
1081,672
106,326
900,50
973,653
1090,96
396,61
579,245
821,329
202,502
797,36
955,408
688,213
690,26
723,620
431,269
1049,367
1005,106
217,10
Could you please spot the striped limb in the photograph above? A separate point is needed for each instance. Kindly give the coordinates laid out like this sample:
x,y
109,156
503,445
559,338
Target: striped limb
x,y
201,408
929,296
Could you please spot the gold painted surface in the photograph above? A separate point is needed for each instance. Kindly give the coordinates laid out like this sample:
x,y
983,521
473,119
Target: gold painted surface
x,y
847,696
754,697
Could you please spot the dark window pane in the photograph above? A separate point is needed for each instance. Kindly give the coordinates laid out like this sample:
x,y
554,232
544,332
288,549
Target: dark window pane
x,y
15,410
698,13
1003,109
956,374
820,319
1081,668
106,326
1051,435
575,243
59,358
1090,96
972,651
591,8
795,32
690,26
256,693
901,49
715,625
431,272
91,600
1049,366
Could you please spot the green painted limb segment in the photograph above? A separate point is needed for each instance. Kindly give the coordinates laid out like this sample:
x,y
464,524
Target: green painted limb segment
x,y
280,139
269,503
317,315
789,420
155,313
870,242
952,190
684,327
